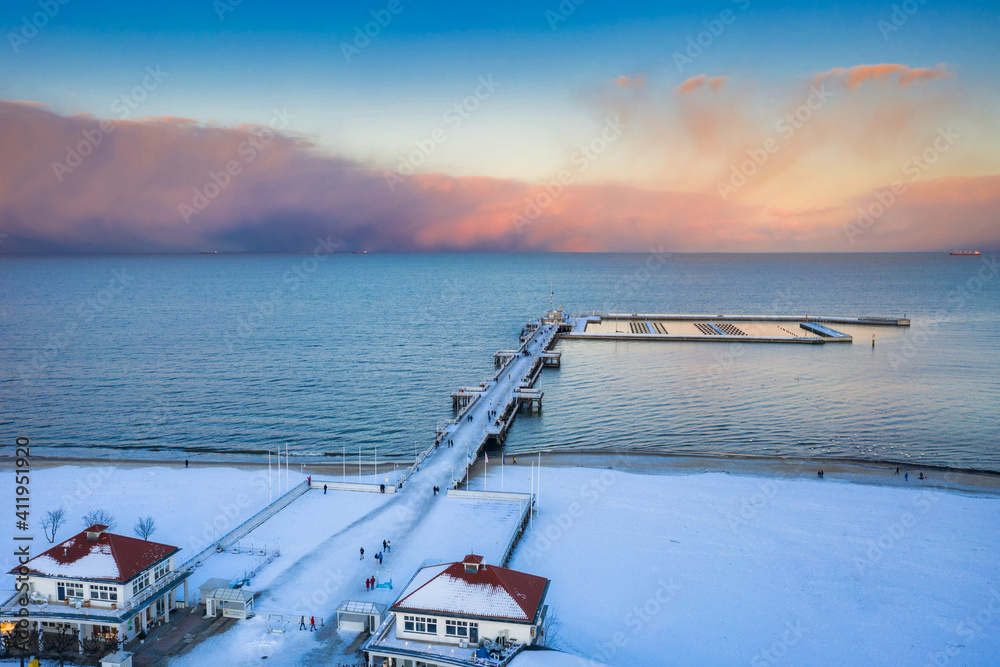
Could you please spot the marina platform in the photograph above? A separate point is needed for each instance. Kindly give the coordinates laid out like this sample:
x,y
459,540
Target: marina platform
x,y
802,330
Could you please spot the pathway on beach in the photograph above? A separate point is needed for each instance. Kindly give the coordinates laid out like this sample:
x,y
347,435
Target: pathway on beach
x,y
418,524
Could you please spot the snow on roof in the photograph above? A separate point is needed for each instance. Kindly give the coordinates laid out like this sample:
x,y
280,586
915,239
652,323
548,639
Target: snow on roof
x,y
486,591
96,554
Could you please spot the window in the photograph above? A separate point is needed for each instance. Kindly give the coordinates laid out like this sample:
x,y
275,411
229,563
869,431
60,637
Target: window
x,y
98,592
456,629
141,583
73,589
422,624
161,570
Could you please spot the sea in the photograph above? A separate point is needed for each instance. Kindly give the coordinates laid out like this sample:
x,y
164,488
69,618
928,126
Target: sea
x,y
232,356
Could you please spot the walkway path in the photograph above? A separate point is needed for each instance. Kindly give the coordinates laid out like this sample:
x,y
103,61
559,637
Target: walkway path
x,y
416,522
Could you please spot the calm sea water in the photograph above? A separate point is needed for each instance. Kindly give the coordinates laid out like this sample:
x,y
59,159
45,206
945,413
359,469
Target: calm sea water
x,y
233,355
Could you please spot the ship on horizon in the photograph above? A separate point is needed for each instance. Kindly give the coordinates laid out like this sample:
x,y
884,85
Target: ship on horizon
x,y
966,253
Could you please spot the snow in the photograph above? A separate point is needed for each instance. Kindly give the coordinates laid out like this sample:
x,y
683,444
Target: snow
x,y
98,564
719,569
192,507
449,594
532,658
332,572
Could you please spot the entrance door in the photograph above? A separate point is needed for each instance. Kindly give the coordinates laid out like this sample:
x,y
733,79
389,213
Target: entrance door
x,y
473,633
61,591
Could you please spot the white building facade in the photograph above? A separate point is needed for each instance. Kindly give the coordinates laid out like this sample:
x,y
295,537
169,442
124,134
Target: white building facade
x,y
452,612
98,585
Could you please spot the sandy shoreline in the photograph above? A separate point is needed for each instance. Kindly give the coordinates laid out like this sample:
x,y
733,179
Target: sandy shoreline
x,y
834,470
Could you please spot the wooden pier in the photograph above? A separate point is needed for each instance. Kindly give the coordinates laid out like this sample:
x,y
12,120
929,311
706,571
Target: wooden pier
x,y
486,413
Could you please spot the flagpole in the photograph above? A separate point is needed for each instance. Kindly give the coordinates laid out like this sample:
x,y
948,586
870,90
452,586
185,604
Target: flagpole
x,y
538,491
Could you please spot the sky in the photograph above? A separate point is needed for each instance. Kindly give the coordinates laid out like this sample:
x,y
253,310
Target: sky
x,y
572,125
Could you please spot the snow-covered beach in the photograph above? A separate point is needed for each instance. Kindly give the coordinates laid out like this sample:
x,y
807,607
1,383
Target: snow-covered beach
x,y
688,568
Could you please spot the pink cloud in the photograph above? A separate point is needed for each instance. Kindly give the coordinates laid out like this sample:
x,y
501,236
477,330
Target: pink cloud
x,y
625,81
126,194
854,76
700,81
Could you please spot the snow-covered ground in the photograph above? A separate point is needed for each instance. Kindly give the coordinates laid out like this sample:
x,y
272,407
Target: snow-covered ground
x,y
420,527
191,507
721,569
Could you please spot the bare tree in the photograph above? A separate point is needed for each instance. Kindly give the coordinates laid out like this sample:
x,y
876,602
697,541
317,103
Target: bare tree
x,y
144,527
102,517
52,522
63,643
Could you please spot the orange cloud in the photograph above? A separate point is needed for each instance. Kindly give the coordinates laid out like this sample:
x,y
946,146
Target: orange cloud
x,y
124,196
852,77
700,81
625,81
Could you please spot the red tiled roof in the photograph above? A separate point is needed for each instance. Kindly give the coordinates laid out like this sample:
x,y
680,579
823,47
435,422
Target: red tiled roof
x,y
109,557
492,591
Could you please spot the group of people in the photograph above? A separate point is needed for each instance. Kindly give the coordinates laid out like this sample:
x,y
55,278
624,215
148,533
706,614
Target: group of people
x,y
437,489
906,475
371,583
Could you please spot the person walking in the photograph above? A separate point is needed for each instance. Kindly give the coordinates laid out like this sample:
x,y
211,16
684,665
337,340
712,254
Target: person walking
x,y
362,553
897,470
388,545
324,489
383,544
906,476
312,624
302,622
185,463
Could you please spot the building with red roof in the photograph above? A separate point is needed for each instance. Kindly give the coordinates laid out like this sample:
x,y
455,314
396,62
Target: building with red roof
x,y
97,584
451,612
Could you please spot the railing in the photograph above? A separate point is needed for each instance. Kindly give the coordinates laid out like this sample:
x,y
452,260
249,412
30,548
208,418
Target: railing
x,y
416,465
239,531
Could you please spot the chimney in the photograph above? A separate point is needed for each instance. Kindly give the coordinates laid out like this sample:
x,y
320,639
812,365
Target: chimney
x,y
95,532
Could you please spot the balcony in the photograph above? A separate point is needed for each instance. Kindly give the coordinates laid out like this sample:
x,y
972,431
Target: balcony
x,y
78,609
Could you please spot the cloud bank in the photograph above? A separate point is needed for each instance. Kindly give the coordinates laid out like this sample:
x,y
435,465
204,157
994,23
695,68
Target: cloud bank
x,y
79,184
